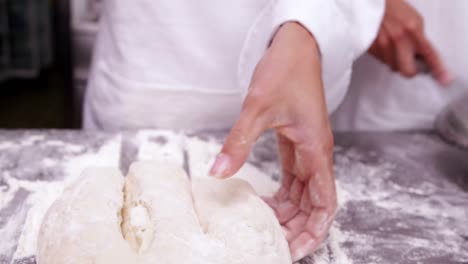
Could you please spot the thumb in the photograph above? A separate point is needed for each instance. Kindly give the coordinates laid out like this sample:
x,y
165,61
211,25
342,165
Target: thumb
x,y
250,125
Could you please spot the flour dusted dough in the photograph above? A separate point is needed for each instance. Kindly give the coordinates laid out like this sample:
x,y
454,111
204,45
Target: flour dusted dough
x,y
156,215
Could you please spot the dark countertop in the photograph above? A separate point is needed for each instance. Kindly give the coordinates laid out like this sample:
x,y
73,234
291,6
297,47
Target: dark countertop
x,y
403,196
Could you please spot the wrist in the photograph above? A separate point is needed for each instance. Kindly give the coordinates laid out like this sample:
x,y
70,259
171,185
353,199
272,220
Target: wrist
x,y
297,38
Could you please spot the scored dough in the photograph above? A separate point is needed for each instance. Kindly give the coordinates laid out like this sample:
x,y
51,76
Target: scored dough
x,y
157,215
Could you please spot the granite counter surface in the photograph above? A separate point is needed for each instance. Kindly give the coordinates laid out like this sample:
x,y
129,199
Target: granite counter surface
x,y
403,196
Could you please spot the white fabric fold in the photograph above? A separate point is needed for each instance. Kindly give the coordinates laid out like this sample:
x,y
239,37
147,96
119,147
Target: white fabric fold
x,y
343,29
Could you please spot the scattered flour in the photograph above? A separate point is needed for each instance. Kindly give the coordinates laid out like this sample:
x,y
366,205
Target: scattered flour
x,y
151,145
107,155
160,145
419,219
43,193
331,252
357,182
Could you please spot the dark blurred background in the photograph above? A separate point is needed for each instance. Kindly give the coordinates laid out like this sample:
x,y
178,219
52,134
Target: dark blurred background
x,y
45,53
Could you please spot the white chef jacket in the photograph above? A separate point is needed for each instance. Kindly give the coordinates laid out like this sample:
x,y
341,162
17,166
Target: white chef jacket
x,y
184,64
379,99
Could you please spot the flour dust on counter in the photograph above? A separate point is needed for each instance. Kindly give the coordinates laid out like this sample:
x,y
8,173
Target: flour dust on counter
x,y
35,168
396,207
402,196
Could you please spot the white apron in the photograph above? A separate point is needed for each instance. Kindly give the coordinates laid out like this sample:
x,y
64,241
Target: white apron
x,y
183,64
379,99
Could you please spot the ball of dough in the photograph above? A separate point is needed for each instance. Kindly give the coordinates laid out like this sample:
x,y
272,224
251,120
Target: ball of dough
x,y
157,215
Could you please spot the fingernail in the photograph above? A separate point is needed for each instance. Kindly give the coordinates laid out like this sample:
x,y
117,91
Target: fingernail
x,y
221,166
302,248
303,252
446,79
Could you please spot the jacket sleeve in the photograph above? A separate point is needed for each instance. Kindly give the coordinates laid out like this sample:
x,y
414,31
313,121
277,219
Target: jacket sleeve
x,y
343,29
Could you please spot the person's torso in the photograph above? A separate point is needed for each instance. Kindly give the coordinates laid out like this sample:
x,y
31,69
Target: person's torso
x,y
379,99
170,63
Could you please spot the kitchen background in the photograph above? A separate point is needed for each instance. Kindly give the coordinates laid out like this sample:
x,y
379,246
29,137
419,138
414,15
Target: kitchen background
x,y
45,53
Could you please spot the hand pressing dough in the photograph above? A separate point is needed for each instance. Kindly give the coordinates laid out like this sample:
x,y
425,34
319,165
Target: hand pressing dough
x,y
156,215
